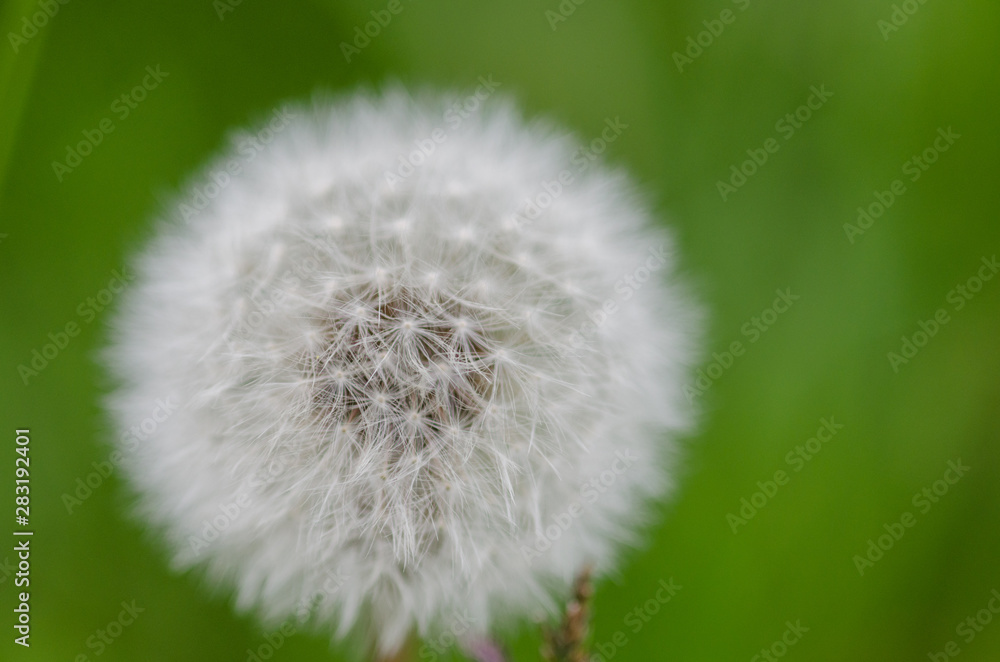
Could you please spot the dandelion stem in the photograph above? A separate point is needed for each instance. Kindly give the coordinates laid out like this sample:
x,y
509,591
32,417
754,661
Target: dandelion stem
x,y
568,643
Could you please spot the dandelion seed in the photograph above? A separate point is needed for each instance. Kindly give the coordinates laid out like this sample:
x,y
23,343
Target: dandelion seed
x,y
438,405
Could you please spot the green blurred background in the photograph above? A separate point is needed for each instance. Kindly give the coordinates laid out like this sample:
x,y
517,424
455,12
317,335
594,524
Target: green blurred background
x,y
784,228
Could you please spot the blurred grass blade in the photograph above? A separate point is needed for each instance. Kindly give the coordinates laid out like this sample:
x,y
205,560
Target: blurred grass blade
x,y
17,69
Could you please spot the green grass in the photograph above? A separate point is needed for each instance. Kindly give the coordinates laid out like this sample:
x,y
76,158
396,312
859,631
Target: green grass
x,y
783,228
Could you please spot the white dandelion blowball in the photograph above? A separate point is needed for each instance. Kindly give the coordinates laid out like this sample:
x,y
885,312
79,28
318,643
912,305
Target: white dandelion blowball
x,y
407,366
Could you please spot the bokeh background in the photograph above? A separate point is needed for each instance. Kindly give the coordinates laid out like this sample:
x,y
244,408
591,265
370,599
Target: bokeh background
x,y
688,121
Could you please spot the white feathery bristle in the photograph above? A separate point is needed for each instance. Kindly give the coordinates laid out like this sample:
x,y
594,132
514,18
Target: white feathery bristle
x,y
394,377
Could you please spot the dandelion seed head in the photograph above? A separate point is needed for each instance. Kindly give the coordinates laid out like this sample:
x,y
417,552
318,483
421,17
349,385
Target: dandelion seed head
x,y
437,372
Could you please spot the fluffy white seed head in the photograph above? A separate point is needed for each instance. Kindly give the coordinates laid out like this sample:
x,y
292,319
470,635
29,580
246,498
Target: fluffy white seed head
x,y
419,378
